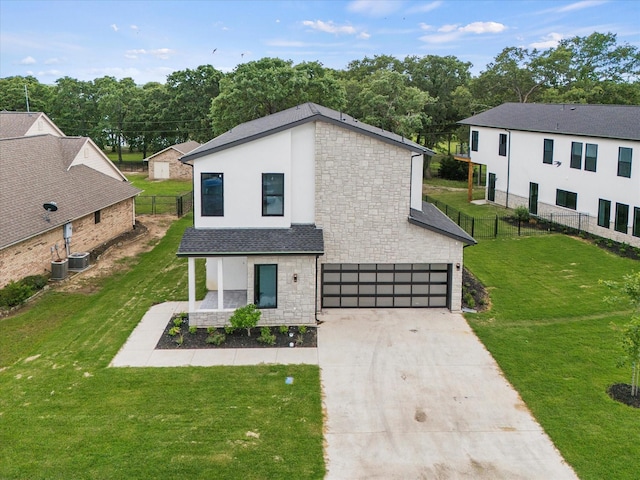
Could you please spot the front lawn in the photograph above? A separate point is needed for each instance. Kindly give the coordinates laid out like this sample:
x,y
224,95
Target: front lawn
x,y
159,187
552,335
64,414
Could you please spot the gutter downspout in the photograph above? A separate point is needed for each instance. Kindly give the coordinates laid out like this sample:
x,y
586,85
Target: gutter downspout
x,y
508,166
315,306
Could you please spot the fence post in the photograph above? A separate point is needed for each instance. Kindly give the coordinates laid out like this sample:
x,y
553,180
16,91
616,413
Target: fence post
x,y
458,218
179,206
518,227
153,205
496,228
473,225
579,222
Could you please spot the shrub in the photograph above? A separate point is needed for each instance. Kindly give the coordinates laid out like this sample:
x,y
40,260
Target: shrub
x,y
299,340
216,338
245,317
211,330
452,169
173,331
177,321
266,336
14,294
302,329
36,282
521,213
284,329
193,329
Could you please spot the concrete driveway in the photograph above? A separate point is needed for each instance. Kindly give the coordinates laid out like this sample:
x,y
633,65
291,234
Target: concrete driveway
x,y
413,394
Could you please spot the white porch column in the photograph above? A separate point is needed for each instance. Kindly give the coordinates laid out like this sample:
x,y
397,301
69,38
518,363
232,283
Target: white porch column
x,y
192,284
220,285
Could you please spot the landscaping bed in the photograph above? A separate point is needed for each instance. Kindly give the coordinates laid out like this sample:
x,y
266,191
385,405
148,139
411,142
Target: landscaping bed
x,y
621,392
277,337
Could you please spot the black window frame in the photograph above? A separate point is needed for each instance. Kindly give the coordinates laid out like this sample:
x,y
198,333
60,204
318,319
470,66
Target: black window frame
x,y
256,285
547,151
576,158
502,145
604,213
266,195
475,137
566,199
636,222
623,170
216,212
97,217
618,227
590,161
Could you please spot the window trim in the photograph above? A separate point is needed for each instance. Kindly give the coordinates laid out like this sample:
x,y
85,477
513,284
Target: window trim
x,y
502,145
264,196
256,285
475,137
97,217
636,222
621,162
202,194
604,213
547,153
618,227
563,197
576,158
591,160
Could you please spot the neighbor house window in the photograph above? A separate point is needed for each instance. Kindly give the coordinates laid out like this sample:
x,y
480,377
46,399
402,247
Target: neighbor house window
x,y
576,155
212,194
272,194
502,146
474,140
547,156
624,162
604,213
96,216
266,286
566,199
622,215
590,157
636,222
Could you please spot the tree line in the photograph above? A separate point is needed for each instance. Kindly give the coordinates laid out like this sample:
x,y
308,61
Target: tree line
x,y
421,98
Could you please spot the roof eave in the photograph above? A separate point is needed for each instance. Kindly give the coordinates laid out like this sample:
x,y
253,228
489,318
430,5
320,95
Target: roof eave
x,y
467,241
256,253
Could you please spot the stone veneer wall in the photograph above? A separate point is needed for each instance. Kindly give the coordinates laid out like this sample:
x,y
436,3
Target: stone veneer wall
x,y
363,202
588,223
33,256
177,169
296,300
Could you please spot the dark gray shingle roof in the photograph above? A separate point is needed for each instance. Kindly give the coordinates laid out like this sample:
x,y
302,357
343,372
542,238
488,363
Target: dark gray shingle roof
x,y
16,124
35,170
307,112
182,148
605,121
299,239
433,219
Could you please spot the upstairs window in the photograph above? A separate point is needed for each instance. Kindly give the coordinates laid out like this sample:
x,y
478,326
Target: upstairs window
x,y
547,155
590,157
272,194
576,155
624,162
502,147
212,194
566,199
474,140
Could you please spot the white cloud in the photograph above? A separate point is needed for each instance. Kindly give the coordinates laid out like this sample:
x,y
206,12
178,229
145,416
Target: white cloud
x,y
161,53
50,73
375,8
425,27
548,41
52,61
114,27
448,28
572,7
427,7
484,27
27,61
134,28
330,27
364,36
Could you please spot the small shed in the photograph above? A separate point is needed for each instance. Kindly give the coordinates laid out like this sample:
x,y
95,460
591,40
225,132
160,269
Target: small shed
x,y
165,164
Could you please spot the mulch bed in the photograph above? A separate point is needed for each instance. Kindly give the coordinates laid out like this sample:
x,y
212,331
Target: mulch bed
x,y
237,339
621,392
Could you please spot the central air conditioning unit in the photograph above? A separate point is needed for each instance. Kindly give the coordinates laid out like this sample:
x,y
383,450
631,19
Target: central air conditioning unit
x,y
78,261
59,269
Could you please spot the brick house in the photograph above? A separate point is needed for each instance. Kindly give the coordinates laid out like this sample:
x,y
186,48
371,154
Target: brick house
x,y
166,164
94,202
309,209
559,159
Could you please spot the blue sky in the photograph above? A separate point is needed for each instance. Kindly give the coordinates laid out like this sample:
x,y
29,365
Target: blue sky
x,y
147,40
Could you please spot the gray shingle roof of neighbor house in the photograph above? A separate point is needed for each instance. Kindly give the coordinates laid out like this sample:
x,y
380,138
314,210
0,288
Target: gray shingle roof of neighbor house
x,y
292,117
433,219
16,124
182,148
35,170
606,121
299,239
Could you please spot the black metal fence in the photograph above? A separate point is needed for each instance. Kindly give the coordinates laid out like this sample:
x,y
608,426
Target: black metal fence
x,y
509,225
178,205
129,166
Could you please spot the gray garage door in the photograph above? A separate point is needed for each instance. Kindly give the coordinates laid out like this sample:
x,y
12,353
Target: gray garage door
x,y
396,285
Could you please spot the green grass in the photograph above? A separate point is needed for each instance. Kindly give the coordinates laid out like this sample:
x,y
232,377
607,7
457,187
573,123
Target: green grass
x,y
64,414
552,335
455,195
159,187
126,156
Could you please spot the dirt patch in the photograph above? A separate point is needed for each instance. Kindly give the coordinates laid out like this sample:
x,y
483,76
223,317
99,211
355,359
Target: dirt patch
x,y
621,392
474,294
106,259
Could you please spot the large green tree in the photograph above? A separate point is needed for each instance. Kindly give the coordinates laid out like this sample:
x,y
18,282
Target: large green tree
x,y
14,92
269,85
74,108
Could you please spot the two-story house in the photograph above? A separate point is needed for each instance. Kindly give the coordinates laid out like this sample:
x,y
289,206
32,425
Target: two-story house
x,y
559,159
308,209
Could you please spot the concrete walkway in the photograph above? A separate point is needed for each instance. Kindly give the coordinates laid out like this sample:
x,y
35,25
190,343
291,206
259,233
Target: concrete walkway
x,y
413,394
139,349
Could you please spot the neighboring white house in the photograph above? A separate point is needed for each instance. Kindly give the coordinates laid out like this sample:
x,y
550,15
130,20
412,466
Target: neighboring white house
x,y
309,209
559,159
